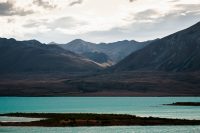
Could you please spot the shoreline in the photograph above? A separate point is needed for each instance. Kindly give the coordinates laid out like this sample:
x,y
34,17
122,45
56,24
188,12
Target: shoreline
x,y
184,104
89,120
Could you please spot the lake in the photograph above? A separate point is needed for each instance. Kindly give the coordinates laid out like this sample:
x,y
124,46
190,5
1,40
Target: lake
x,y
140,106
121,129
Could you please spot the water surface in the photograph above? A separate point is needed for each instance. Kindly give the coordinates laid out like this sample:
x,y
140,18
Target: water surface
x,y
125,129
18,119
141,106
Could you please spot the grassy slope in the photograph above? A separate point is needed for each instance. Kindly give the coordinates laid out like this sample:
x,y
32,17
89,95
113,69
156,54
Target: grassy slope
x,y
115,84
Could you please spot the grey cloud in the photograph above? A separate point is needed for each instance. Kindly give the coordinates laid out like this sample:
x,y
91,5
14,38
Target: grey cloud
x,y
145,15
75,2
44,4
32,23
180,9
64,23
9,9
188,7
132,0
173,1
10,20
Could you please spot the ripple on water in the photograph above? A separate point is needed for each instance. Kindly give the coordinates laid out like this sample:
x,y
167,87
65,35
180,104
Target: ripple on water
x,y
18,119
121,129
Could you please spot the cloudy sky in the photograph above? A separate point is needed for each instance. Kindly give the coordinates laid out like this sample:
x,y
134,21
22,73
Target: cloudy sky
x,y
95,20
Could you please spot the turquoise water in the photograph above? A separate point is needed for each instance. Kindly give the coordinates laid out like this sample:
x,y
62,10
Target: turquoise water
x,y
136,129
18,119
140,106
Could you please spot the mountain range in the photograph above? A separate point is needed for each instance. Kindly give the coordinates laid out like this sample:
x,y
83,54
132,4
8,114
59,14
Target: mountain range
x,y
177,52
33,56
115,51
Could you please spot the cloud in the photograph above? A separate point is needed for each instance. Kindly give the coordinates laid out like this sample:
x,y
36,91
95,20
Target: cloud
x,y
67,23
8,9
153,15
75,2
188,7
10,20
34,24
174,1
146,15
44,4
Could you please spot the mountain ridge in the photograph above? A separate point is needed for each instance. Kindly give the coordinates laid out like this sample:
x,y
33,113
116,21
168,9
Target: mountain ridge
x,y
33,56
176,52
116,50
